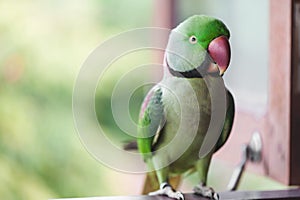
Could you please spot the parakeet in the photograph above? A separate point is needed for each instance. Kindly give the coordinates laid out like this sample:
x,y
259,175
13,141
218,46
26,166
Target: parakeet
x,y
181,103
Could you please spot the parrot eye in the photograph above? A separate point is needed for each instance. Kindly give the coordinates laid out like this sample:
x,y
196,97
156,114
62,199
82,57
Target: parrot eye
x,y
193,39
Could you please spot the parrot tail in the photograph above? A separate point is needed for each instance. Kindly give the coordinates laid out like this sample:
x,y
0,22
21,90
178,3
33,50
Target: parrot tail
x,y
151,182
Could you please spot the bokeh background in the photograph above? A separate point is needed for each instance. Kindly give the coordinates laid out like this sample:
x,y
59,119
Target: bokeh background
x,y
42,46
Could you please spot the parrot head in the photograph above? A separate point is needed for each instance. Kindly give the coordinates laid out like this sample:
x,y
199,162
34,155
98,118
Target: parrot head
x,y
200,44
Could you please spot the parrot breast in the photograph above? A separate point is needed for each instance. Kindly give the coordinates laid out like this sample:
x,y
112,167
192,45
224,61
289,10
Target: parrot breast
x,y
187,109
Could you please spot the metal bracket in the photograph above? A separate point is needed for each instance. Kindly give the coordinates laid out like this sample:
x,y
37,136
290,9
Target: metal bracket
x,y
251,151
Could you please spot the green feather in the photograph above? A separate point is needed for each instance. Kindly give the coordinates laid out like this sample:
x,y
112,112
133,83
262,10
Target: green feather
x,y
205,28
228,122
151,117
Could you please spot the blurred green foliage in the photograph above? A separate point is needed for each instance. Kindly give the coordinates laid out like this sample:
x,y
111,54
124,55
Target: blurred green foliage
x,y
42,45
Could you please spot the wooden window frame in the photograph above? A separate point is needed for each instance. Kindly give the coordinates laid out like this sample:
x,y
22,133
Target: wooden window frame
x,y
295,100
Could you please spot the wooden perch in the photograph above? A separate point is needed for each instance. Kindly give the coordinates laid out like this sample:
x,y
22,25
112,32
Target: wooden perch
x,y
237,195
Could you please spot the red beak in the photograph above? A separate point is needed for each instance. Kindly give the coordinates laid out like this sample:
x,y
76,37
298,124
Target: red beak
x,y
219,51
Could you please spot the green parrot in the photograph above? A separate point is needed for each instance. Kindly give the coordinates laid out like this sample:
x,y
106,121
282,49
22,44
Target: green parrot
x,y
181,104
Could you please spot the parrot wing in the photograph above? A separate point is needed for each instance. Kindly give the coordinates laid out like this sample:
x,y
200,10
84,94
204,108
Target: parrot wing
x,y
151,121
228,122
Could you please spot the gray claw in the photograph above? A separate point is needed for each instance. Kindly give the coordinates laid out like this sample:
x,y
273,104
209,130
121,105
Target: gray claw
x,y
216,196
206,192
179,195
168,191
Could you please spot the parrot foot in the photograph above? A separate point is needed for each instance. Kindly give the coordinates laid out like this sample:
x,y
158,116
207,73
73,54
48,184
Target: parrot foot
x,y
167,190
205,191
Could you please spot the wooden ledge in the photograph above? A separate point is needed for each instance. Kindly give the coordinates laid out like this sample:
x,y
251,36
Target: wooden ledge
x,y
237,195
